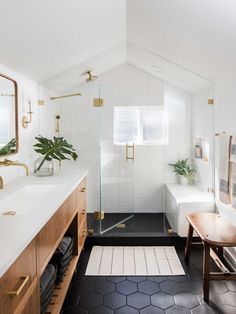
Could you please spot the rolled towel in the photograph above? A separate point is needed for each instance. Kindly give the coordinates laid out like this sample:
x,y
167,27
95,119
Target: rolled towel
x,y
225,169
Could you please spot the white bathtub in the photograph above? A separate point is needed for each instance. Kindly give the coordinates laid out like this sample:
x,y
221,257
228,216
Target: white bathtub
x,y
183,200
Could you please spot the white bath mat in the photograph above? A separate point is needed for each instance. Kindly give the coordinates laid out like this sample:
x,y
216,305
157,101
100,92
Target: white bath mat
x,y
134,261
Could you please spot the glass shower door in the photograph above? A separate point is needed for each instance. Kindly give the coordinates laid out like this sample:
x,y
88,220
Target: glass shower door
x,y
116,164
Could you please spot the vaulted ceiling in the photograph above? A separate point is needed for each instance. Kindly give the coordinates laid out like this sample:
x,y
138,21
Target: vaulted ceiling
x,y
49,40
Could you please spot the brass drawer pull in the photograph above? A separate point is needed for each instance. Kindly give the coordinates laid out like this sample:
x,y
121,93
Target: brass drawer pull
x,y
83,212
84,233
18,291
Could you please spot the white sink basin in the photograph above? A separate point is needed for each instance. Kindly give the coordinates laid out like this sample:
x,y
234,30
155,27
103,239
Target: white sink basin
x,y
26,198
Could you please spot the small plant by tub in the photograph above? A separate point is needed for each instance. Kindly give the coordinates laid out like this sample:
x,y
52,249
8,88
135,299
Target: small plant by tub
x,y
57,148
183,170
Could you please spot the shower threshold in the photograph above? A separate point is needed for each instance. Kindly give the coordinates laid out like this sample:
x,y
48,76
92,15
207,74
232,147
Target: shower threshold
x,y
130,225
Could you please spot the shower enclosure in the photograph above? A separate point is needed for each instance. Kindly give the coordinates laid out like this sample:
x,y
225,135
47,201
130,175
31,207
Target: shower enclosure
x,y
130,125
130,181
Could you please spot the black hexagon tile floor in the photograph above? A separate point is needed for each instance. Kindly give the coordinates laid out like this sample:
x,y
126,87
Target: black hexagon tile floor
x,y
149,295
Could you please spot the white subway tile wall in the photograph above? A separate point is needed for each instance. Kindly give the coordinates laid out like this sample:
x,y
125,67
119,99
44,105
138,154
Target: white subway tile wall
x,y
126,187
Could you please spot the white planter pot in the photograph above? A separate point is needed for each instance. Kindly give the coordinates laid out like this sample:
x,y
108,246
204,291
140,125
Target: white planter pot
x,y
183,180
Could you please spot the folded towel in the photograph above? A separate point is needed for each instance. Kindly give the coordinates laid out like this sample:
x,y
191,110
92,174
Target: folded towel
x,y
225,168
233,167
233,149
233,184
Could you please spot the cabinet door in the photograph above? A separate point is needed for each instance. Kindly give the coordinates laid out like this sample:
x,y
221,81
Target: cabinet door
x,y
82,191
17,282
32,306
82,232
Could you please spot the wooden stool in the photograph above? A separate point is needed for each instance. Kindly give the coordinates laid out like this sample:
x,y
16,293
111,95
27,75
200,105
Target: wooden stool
x,y
215,233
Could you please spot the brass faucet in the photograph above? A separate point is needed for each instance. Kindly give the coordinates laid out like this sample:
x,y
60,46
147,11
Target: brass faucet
x,y
7,163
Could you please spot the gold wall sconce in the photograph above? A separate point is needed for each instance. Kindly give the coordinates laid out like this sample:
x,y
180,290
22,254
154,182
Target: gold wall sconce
x,y
57,130
27,120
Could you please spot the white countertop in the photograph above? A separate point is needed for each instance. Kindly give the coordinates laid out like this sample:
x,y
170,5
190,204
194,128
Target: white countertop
x,y
16,232
189,194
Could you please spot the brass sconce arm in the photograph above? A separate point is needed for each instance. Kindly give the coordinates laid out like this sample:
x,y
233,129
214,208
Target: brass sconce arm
x,y
25,120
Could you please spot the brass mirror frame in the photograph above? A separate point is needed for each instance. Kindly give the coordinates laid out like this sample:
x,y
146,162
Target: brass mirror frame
x,y
16,114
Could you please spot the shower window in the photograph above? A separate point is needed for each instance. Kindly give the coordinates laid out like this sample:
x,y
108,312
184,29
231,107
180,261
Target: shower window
x,y
140,125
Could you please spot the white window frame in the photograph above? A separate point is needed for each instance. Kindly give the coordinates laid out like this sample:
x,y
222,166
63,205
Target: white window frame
x,y
141,109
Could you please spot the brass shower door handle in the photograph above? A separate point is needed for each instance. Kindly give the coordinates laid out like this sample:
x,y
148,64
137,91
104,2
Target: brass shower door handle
x,y
127,147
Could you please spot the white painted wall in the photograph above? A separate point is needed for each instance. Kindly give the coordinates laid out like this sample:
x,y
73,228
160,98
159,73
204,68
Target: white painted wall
x,y
126,187
202,129
42,123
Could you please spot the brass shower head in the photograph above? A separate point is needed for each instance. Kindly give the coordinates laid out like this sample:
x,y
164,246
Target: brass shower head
x,y
91,77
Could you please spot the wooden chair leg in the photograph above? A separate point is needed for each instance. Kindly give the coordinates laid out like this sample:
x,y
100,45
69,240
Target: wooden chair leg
x,y
206,272
189,242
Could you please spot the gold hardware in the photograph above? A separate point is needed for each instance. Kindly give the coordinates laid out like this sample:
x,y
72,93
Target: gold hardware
x,y
57,130
7,163
91,231
65,96
121,226
127,147
98,102
1,183
83,212
41,102
83,190
210,101
25,122
9,213
84,233
170,231
99,215
18,291
91,77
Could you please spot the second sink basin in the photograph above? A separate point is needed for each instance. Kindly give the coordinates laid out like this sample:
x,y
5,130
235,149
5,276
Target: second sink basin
x,y
26,198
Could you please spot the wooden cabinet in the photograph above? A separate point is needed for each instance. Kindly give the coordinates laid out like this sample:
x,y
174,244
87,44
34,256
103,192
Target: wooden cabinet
x,y
52,233
18,280
19,286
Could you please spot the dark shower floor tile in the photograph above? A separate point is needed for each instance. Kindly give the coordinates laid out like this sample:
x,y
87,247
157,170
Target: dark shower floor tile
x,y
147,295
151,224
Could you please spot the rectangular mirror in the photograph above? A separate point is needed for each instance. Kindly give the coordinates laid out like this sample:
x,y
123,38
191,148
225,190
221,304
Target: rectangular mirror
x,y
8,116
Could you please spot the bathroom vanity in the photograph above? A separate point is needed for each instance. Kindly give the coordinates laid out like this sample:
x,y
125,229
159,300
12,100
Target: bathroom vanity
x,y
29,238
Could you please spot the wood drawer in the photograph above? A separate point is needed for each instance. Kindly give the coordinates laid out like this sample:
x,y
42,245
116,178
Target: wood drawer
x,y
52,233
18,280
82,191
82,232
82,210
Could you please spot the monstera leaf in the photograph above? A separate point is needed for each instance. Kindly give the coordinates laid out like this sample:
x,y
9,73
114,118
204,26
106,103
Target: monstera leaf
x,y
9,148
57,148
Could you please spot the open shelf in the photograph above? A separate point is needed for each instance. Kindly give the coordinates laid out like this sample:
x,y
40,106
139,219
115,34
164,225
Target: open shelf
x,y
60,290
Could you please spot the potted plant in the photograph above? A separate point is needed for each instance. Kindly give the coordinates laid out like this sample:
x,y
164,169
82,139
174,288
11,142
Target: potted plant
x,y
183,170
57,148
